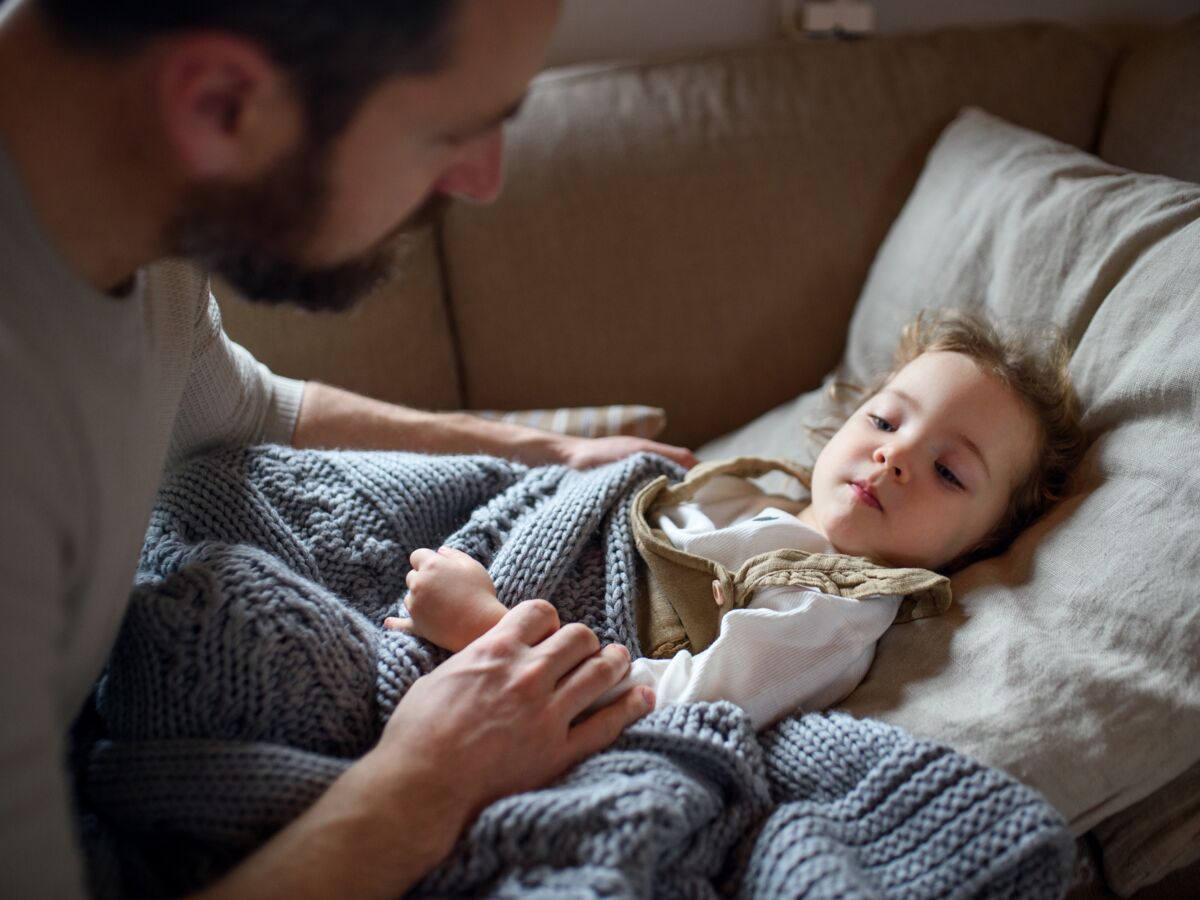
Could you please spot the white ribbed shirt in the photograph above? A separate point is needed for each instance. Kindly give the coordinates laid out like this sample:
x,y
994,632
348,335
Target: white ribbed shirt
x,y
97,395
791,649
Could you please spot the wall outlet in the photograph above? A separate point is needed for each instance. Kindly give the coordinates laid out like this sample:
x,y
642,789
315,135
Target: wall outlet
x,y
829,17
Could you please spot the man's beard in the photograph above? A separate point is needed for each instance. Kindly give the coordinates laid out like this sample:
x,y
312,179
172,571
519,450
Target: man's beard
x,y
252,234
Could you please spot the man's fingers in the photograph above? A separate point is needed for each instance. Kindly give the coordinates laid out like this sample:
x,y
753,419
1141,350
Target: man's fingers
x,y
604,726
686,458
565,651
531,622
592,677
681,455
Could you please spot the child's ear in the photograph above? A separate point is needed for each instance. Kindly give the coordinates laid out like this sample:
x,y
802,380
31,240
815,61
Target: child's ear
x,y
225,107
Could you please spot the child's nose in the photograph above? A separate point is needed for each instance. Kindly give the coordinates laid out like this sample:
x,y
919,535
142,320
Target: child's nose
x,y
893,458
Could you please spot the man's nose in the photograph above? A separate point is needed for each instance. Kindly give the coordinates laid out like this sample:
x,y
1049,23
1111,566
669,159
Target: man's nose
x,y
894,458
479,173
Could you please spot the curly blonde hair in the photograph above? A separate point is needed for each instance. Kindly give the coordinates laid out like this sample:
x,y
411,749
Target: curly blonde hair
x,y
1033,364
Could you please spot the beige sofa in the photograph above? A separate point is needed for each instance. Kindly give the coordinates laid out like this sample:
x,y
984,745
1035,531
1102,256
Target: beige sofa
x,y
716,235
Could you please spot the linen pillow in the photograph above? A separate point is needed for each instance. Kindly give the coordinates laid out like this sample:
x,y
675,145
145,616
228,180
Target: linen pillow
x,y
1069,661
586,421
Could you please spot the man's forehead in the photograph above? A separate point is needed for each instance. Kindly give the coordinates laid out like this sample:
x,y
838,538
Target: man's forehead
x,y
497,49
487,34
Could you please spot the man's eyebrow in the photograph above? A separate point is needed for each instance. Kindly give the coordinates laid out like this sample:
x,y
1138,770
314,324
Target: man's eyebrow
x,y
961,438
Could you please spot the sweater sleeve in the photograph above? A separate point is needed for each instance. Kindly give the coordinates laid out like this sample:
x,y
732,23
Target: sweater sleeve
x,y
38,542
230,398
803,650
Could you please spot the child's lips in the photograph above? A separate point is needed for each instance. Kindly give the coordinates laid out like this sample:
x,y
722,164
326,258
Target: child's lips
x,y
864,492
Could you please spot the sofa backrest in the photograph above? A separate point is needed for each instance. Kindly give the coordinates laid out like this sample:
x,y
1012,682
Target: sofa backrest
x,y
1153,118
690,234
693,234
397,345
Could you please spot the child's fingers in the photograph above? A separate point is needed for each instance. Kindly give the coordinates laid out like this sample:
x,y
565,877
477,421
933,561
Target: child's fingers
x,y
462,562
395,623
420,557
465,565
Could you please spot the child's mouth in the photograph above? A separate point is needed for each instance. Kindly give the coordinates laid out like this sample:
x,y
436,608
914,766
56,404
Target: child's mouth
x,y
863,492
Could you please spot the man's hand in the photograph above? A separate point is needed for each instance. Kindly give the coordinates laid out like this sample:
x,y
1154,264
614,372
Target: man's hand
x,y
331,417
586,453
451,599
500,716
495,719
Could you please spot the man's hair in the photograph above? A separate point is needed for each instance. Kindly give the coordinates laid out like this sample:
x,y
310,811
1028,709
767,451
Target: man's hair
x,y
334,52
1034,366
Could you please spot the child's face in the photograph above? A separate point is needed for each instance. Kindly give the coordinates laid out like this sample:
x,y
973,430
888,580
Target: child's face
x,y
923,470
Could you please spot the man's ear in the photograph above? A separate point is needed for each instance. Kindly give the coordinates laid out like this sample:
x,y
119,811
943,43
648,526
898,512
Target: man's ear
x,y
226,108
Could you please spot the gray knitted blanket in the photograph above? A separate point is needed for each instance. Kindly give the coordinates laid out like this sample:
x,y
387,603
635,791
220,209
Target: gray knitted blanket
x,y
252,669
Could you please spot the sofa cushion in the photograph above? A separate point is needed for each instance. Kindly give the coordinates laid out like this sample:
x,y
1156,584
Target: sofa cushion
x,y
396,345
665,223
586,421
1153,118
1153,837
1070,660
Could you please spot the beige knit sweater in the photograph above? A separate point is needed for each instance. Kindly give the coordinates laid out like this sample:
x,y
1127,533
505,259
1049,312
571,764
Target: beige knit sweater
x,y
97,395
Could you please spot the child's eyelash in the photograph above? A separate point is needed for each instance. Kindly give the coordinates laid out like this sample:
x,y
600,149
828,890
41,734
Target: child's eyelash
x,y
881,424
947,475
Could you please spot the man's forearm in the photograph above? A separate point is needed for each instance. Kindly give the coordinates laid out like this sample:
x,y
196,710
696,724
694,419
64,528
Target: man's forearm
x,y
372,834
331,417
504,715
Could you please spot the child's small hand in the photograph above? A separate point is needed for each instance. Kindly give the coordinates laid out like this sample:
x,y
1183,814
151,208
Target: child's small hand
x,y
451,599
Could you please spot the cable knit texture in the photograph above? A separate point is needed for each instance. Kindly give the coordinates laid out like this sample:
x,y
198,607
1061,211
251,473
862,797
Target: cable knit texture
x,y
252,669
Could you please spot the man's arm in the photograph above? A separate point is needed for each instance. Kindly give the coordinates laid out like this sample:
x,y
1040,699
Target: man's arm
x,y
231,398
331,417
497,718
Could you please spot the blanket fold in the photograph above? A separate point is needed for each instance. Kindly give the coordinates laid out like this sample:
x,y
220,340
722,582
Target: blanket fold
x,y
252,668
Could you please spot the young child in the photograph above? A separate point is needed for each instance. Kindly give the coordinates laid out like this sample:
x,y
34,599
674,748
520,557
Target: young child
x,y
963,443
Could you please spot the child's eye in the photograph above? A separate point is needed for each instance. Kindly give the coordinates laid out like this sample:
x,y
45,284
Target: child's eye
x,y
947,475
881,424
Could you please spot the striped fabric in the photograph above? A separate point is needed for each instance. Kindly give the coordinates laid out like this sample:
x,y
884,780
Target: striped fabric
x,y
587,421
